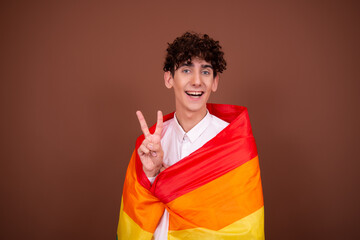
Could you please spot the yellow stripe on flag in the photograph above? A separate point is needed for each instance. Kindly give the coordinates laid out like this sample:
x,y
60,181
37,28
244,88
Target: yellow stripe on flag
x,y
128,229
250,227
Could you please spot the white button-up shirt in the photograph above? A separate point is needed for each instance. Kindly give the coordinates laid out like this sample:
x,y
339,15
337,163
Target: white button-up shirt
x,y
177,144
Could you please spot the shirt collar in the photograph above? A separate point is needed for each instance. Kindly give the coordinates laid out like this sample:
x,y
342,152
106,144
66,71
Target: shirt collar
x,y
196,131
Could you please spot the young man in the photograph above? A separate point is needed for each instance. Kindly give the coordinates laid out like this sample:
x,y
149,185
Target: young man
x,y
195,175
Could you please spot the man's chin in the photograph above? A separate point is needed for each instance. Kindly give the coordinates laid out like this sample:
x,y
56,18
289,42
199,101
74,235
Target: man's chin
x,y
194,108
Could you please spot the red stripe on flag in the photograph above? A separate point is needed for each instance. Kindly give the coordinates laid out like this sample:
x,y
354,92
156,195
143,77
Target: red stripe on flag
x,y
231,148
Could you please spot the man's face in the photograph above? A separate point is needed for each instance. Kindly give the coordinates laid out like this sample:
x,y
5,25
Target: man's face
x,y
193,83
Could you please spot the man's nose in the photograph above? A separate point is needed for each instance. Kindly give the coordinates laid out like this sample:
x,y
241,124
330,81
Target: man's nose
x,y
196,79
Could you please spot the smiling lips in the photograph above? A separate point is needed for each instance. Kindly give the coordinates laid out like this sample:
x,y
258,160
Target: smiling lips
x,y
194,93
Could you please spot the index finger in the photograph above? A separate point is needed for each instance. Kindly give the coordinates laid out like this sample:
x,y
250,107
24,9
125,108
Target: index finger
x,y
143,125
159,123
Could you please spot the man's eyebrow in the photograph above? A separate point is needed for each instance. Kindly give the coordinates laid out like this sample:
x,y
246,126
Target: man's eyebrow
x,y
207,66
188,64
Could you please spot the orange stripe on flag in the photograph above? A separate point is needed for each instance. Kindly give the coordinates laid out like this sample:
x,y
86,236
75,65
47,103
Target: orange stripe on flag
x,y
220,202
139,204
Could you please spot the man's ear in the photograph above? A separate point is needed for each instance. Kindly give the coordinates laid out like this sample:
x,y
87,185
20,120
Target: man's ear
x,y
168,79
215,83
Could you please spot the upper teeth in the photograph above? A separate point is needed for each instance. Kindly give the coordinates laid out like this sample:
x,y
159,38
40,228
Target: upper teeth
x,y
194,93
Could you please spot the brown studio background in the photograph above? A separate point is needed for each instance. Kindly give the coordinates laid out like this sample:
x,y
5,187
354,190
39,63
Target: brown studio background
x,y
73,73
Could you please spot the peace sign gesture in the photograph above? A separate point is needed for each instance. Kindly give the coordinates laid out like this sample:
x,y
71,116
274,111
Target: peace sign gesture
x,y
150,151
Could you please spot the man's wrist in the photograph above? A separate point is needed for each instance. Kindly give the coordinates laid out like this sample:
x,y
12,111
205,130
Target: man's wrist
x,y
152,173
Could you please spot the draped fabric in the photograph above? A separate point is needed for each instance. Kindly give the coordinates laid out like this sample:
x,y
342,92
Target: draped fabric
x,y
214,193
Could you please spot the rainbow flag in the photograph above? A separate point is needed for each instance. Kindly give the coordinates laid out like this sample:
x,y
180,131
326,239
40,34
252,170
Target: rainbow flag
x,y
214,193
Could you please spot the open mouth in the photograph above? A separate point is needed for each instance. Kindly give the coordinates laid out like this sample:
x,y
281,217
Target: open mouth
x,y
194,93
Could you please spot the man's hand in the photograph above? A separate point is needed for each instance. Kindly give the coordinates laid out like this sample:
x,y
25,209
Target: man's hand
x,y
150,151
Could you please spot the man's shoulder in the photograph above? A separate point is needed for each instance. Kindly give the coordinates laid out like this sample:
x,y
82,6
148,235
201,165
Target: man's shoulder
x,y
218,123
167,125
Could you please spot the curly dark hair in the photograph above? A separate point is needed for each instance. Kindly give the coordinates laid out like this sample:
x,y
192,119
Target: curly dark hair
x,y
191,45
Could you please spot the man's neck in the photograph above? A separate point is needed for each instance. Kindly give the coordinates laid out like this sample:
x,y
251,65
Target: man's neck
x,y
188,120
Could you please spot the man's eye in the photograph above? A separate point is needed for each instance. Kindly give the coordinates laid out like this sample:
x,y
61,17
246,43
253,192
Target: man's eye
x,y
206,72
186,71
